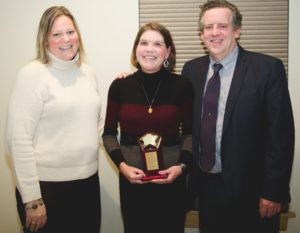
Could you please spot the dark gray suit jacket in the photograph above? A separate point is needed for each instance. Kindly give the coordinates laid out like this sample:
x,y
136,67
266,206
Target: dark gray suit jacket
x,y
257,143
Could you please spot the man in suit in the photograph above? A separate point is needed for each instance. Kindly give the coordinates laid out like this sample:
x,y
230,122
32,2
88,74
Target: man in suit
x,y
248,182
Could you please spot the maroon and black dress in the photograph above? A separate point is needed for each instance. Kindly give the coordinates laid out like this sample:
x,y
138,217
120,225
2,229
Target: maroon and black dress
x,y
151,207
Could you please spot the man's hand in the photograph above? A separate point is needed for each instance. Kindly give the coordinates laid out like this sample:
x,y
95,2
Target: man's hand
x,y
268,208
124,75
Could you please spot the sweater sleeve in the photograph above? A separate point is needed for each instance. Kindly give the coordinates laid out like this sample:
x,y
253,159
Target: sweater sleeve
x,y
25,108
110,133
100,114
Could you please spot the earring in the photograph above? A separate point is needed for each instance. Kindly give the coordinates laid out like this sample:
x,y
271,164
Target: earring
x,y
166,63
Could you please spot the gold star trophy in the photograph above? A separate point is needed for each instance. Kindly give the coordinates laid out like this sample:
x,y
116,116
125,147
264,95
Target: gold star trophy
x,y
152,155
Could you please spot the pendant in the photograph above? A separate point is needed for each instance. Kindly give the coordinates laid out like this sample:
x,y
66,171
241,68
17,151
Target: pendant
x,y
150,110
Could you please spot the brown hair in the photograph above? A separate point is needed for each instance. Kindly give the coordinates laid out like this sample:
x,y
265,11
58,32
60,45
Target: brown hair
x,y
236,15
154,26
45,25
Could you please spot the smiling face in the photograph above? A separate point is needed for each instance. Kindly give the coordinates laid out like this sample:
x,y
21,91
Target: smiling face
x,y
219,35
63,40
151,51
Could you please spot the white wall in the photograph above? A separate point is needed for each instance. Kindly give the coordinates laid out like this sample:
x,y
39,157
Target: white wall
x,y
108,29
294,84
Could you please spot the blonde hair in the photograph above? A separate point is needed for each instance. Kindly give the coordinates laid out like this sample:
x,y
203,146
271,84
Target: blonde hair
x,y
45,26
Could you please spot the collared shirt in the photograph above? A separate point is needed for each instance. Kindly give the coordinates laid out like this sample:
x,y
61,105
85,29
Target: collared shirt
x,y
226,74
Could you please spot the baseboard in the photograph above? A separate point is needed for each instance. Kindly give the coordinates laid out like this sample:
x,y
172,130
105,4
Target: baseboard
x,y
192,220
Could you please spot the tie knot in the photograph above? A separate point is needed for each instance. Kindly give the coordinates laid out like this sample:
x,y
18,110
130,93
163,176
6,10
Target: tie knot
x,y
217,67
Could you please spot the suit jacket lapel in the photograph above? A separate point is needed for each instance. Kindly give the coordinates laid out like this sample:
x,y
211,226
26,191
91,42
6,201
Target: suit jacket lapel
x,y
236,85
199,88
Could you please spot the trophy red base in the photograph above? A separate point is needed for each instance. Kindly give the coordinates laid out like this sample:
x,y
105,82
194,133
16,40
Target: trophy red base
x,y
148,178
152,156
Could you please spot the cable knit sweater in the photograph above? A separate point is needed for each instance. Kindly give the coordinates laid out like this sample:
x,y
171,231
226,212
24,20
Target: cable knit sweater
x,y
53,124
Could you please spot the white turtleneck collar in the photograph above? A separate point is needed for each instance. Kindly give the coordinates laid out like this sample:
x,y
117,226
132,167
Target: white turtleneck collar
x,y
61,64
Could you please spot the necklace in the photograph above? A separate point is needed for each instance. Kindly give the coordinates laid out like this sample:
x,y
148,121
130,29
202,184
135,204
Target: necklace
x,y
150,109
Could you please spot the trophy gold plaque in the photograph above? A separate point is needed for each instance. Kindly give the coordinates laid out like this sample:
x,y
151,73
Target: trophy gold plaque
x,y
150,145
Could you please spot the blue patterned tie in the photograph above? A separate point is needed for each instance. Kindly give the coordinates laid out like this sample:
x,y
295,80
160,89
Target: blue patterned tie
x,y
209,120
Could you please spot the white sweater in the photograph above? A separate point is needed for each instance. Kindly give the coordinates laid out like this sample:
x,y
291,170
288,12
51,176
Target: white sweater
x,y
53,124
